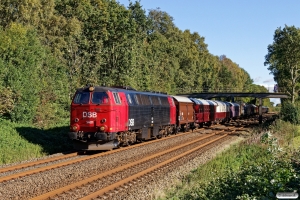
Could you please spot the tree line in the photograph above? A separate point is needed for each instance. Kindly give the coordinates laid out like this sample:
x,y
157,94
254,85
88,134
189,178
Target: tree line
x,y
48,48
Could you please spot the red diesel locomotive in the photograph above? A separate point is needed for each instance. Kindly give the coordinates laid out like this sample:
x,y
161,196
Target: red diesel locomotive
x,y
105,117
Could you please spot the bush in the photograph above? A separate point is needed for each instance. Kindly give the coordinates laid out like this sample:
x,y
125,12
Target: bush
x,y
290,113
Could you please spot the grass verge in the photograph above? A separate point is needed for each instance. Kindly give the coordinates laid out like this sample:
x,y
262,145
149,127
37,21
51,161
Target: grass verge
x,y
257,168
20,142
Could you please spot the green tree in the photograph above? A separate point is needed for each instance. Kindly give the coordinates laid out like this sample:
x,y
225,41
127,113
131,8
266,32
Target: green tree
x,y
21,57
283,59
139,76
161,50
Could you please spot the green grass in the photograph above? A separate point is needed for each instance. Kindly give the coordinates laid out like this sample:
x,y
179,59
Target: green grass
x,y
253,169
285,132
296,142
20,142
232,159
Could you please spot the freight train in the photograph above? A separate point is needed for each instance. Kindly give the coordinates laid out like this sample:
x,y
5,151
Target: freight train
x,y
104,118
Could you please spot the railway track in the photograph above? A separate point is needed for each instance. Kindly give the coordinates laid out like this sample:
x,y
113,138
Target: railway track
x,y
74,158
117,169
99,177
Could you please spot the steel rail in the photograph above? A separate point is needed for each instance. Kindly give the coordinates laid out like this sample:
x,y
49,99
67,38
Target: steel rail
x,y
118,169
39,162
144,172
41,169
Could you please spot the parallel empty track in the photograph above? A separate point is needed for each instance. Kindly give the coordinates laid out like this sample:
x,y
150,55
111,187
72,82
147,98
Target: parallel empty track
x,y
108,179
132,170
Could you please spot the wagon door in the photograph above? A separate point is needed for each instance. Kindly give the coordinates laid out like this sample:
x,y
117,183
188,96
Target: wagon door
x,y
186,113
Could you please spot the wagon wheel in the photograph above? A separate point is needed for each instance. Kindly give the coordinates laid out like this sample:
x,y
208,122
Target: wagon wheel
x,y
186,127
208,124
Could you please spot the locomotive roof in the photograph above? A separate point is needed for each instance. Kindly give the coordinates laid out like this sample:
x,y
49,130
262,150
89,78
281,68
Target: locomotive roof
x,y
119,89
97,89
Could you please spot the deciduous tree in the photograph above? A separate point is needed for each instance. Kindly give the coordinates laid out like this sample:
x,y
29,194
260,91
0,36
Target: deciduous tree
x,y
283,59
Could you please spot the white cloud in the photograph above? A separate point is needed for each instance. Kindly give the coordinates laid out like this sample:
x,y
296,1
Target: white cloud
x,y
269,81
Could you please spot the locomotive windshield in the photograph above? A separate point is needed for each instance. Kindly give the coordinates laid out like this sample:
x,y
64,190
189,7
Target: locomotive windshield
x,y
99,98
82,98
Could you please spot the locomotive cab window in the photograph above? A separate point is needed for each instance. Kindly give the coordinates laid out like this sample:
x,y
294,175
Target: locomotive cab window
x,y
129,99
100,98
82,98
116,98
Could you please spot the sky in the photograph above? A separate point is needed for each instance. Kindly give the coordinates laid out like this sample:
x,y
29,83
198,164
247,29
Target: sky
x,y
239,29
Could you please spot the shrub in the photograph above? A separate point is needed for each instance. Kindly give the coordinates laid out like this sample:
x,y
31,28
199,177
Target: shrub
x,y
290,113
284,131
264,172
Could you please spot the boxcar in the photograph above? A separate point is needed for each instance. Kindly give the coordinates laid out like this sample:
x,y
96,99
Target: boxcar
x,y
221,111
202,111
184,113
234,110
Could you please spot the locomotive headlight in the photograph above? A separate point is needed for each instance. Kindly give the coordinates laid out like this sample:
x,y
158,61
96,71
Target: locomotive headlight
x,y
74,127
76,120
103,120
103,128
91,89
